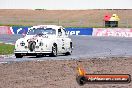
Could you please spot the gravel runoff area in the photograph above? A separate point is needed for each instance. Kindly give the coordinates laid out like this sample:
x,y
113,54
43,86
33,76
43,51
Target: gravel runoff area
x,y
61,73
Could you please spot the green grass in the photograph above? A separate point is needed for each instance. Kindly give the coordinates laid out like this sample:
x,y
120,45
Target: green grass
x,y
6,49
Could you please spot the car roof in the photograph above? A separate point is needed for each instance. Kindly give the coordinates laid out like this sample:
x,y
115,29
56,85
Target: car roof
x,y
47,26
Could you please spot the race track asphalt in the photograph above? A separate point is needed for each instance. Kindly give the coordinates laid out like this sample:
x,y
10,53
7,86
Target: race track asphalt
x,y
84,47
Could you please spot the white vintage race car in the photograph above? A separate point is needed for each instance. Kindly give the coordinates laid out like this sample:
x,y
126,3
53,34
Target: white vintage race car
x,y
43,40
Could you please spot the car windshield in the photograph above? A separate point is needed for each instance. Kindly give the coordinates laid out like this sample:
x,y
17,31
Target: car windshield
x,y
43,31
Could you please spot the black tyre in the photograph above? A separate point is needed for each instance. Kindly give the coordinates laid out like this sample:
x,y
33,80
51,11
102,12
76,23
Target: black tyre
x,y
54,51
18,55
69,53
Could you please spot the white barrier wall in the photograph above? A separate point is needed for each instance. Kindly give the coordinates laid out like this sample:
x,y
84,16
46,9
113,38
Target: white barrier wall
x,y
118,32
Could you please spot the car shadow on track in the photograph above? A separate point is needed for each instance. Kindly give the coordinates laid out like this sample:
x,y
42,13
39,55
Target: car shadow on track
x,y
60,55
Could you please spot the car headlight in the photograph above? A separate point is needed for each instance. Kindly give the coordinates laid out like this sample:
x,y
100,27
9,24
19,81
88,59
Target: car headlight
x,y
22,43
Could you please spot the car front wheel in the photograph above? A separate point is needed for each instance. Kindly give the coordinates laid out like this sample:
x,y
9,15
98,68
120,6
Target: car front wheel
x,y
18,55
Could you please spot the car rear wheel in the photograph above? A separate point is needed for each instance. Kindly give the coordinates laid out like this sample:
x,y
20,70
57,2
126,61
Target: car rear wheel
x,y
18,55
70,50
68,53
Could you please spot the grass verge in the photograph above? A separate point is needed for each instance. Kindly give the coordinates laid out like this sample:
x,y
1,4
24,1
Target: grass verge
x,y
6,49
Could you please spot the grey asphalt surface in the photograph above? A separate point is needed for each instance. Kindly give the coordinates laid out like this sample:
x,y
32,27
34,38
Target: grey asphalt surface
x,y
84,47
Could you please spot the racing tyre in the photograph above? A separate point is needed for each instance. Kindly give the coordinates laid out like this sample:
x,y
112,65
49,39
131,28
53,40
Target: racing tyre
x,y
69,53
54,51
18,55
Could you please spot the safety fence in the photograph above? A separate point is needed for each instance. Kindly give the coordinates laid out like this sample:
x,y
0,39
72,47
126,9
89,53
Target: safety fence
x,y
119,32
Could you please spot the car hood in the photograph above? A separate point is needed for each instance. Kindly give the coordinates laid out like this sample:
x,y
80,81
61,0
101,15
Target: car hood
x,y
28,38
